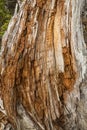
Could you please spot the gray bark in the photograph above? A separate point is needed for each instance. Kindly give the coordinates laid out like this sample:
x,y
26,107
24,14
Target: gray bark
x,y
43,67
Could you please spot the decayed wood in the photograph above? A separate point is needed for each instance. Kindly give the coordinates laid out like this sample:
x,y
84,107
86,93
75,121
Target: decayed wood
x,y
42,66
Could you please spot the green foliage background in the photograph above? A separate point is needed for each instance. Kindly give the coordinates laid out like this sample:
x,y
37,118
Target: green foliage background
x,y
5,16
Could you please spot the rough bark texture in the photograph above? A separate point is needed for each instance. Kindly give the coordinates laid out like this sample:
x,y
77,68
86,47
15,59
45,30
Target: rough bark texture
x,y
43,67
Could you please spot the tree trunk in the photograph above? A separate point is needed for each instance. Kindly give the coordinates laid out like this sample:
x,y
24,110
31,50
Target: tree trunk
x,y
43,67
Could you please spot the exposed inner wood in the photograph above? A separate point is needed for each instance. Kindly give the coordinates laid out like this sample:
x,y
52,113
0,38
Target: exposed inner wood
x,y
40,67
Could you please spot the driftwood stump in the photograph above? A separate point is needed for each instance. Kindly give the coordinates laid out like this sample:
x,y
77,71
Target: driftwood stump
x,y
43,67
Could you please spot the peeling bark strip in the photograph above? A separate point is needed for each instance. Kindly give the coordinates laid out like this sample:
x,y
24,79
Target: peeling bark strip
x,y
43,64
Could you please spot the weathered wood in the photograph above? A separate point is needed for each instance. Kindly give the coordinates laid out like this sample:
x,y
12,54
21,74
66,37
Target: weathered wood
x,y
43,66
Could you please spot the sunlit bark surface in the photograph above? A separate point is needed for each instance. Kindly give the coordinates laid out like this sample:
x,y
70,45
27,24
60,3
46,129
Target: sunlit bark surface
x,y
43,68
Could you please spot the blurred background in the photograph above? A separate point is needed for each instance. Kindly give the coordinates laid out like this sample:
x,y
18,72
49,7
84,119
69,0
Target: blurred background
x,y
6,11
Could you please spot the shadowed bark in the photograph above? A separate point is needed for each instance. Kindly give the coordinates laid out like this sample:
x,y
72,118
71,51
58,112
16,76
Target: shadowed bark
x,y
43,67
